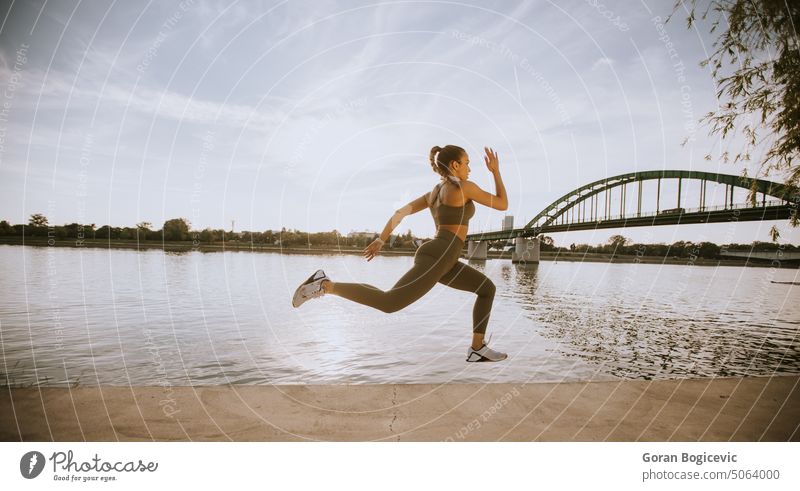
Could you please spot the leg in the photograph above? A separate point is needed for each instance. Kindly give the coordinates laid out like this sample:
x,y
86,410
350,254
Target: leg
x,y
466,278
409,288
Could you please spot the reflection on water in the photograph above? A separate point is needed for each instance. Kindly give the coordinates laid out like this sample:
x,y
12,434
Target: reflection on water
x,y
94,316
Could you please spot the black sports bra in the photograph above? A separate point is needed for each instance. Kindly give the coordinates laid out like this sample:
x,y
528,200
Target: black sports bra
x,y
451,215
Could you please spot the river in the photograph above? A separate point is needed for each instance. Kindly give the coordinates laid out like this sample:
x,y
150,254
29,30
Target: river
x,y
81,316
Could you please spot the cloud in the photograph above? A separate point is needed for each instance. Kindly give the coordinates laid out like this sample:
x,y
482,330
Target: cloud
x,y
601,62
589,101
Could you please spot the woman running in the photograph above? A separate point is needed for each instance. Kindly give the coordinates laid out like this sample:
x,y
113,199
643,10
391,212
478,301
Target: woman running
x,y
435,261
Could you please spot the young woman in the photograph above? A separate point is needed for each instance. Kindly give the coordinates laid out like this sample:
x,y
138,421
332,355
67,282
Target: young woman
x,y
451,204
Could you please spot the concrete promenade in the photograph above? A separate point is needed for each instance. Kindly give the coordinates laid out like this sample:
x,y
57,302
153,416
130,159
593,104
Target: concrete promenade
x,y
722,409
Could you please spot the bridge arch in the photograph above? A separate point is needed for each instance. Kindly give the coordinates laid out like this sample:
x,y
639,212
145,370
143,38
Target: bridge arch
x,y
565,203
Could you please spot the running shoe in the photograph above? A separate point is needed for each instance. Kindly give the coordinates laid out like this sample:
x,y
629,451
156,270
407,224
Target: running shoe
x,y
311,288
485,353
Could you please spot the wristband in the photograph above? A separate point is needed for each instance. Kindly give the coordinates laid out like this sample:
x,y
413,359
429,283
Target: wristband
x,y
380,240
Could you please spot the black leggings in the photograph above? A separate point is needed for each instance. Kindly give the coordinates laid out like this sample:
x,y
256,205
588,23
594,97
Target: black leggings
x,y
435,261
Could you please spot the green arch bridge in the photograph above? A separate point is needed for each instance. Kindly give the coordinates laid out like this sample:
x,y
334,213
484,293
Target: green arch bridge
x,y
589,207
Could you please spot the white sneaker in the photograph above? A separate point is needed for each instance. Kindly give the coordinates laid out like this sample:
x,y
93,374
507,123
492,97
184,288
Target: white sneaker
x,y
485,353
311,288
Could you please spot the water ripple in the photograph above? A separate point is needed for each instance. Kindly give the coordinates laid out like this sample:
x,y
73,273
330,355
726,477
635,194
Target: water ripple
x,y
148,318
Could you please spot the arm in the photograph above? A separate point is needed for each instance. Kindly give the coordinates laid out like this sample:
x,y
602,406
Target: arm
x,y
474,192
500,190
497,202
413,207
393,222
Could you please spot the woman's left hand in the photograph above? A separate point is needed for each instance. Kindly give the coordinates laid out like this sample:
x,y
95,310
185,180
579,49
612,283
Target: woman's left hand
x,y
372,249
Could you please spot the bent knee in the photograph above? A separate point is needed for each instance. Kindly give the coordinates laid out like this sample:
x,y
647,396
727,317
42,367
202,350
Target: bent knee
x,y
391,309
487,289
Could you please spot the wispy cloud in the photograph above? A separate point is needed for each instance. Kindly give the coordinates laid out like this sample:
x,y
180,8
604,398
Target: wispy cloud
x,y
601,62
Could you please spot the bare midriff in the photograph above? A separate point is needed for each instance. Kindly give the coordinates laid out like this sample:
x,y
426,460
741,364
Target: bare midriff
x,y
459,230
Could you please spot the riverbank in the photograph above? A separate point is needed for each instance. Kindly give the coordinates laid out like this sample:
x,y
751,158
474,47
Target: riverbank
x,y
720,409
187,246
325,250
685,261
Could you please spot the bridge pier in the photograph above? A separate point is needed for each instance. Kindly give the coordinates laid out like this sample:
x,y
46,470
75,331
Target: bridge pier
x,y
477,249
526,250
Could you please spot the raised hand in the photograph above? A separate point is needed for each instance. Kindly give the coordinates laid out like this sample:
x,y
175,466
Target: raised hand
x,y
492,162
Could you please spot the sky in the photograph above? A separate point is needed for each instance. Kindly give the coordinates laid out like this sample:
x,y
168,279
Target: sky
x,y
320,115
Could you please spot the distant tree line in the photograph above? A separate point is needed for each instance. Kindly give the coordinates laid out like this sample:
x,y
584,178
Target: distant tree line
x,y
619,245
179,229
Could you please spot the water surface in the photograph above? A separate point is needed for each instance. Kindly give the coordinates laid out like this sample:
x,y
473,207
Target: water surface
x,y
97,316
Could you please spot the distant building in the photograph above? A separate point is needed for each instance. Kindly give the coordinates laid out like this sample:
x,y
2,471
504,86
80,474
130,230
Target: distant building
x,y
508,224
361,235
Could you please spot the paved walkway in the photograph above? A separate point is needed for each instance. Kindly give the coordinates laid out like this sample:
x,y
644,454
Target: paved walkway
x,y
739,409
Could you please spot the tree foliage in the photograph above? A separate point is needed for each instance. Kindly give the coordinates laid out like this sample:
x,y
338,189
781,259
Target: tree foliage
x,y
756,65
617,241
176,229
37,220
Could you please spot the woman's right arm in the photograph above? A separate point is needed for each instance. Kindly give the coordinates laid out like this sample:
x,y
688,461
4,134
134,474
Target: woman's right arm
x,y
475,193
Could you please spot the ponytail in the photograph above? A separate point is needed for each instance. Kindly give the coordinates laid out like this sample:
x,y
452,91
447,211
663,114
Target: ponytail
x,y
442,156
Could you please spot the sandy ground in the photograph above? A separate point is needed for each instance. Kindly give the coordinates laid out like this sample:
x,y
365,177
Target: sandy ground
x,y
738,409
